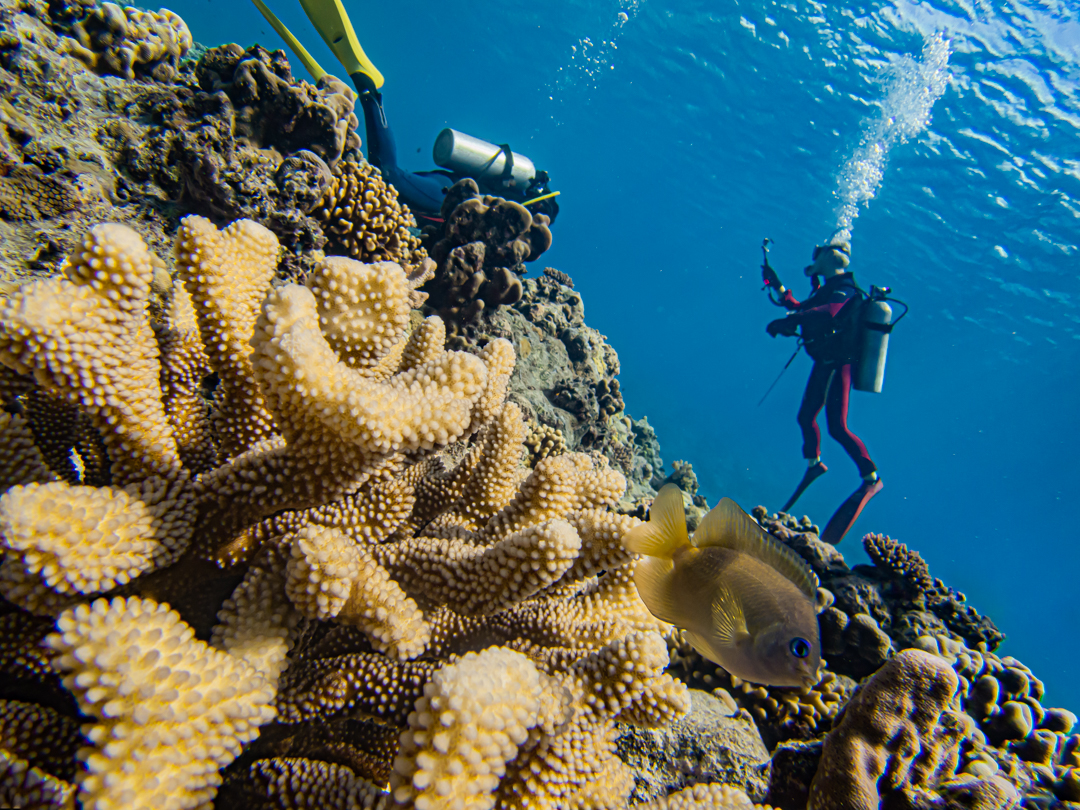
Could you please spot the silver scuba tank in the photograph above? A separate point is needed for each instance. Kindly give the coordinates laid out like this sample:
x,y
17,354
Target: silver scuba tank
x,y
476,158
874,346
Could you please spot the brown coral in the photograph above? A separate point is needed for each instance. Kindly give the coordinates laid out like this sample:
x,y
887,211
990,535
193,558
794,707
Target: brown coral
x,y
480,252
129,42
273,110
27,193
899,735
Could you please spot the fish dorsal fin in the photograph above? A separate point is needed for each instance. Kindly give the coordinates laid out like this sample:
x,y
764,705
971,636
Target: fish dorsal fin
x,y
728,526
666,530
728,620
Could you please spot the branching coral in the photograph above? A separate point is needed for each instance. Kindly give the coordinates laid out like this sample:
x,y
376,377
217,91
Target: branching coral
x,y
371,493
170,711
86,339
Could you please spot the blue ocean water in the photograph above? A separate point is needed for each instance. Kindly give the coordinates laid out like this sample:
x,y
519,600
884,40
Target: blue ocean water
x,y
682,133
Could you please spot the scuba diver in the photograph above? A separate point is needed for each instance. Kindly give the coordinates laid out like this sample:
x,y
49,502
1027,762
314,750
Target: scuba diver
x,y
497,170
829,321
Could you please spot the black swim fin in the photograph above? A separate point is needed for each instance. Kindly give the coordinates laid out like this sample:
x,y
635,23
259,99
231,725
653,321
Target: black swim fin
x,y
811,475
844,518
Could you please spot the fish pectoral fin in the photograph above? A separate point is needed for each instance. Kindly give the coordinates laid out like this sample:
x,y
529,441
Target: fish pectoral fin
x,y
728,619
666,530
653,578
701,646
728,526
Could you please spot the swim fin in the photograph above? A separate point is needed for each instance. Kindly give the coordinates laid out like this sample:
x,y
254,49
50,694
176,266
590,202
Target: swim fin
x,y
313,67
331,21
844,517
811,475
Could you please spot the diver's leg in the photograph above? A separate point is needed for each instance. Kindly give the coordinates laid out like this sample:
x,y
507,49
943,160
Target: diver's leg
x,y
382,152
812,403
422,191
836,412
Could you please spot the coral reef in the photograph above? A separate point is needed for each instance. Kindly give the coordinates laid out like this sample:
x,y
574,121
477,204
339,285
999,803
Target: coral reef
x,y
374,568
270,539
232,135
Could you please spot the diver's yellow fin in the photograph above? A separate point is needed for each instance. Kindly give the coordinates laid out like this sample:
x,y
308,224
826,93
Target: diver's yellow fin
x,y
728,526
331,21
653,578
666,530
313,67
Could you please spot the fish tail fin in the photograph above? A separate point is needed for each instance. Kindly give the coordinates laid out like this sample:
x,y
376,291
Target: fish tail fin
x,y
666,530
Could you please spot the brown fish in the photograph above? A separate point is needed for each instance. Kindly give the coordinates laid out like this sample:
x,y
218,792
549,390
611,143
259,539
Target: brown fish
x,y
746,601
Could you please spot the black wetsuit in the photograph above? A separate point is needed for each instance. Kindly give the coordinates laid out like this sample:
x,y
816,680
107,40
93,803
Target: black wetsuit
x,y
423,192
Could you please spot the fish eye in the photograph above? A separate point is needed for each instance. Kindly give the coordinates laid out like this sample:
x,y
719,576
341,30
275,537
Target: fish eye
x,y
799,647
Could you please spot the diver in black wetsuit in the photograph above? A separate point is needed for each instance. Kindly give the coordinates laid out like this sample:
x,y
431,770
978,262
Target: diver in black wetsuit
x,y
423,191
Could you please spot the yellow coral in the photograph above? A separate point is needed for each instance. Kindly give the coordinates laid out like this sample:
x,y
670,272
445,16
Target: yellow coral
x,y
170,711
473,716
227,274
363,308
91,539
86,339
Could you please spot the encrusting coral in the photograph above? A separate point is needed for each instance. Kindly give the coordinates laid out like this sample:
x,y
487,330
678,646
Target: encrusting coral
x,y
901,733
128,41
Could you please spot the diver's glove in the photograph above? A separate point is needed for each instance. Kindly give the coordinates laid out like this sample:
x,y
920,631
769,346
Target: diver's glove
x,y
768,275
782,326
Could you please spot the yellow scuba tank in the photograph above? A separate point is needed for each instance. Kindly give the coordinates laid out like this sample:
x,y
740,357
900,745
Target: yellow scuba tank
x,y
875,324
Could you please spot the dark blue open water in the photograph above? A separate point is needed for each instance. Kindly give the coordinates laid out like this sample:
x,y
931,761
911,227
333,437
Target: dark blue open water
x,y
685,132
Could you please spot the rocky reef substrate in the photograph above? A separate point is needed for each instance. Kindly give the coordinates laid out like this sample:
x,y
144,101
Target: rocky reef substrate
x,y
301,505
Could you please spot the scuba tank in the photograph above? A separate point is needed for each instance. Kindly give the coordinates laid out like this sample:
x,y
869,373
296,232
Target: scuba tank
x,y
875,324
478,159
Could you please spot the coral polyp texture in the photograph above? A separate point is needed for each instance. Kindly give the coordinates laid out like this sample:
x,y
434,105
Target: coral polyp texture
x,y
368,493
362,217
